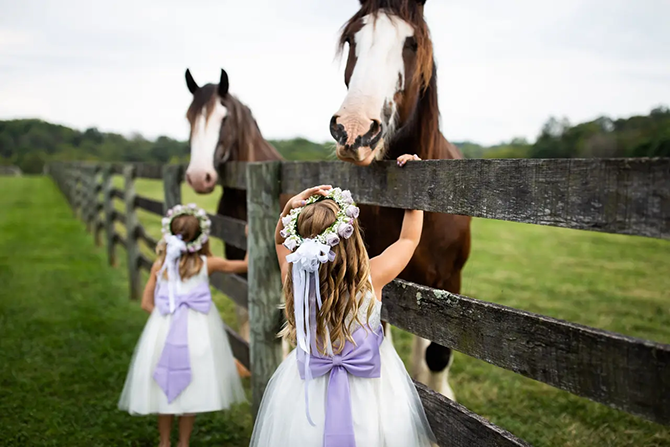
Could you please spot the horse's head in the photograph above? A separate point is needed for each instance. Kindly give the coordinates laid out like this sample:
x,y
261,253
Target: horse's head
x,y
206,115
222,129
389,66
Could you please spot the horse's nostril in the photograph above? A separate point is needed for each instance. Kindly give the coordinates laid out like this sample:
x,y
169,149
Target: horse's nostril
x,y
337,131
375,127
188,179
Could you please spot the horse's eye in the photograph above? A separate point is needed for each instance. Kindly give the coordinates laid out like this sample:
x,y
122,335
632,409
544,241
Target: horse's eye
x,y
410,44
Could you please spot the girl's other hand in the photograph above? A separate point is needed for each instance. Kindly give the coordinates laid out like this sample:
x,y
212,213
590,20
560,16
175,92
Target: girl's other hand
x,y
300,199
405,158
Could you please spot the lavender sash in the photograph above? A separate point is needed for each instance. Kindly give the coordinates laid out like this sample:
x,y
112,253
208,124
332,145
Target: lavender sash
x,y
360,360
173,372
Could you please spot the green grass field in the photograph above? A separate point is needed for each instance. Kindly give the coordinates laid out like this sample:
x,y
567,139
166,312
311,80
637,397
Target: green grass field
x,y
67,329
67,332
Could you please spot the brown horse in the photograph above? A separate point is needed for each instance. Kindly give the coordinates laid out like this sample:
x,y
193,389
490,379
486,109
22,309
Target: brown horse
x,y
391,108
223,129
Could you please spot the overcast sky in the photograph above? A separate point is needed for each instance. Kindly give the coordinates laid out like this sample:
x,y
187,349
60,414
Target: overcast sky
x,y
503,67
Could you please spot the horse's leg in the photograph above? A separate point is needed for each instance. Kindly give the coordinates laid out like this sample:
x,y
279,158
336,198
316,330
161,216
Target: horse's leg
x,y
242,321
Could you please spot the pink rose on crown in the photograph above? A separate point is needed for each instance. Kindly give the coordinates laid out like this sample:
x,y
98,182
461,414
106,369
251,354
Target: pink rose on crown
x,y
346,197
352,211
291,243
332,239
345,230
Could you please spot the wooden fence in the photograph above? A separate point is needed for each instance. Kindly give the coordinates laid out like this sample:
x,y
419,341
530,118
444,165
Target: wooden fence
x,y
624,196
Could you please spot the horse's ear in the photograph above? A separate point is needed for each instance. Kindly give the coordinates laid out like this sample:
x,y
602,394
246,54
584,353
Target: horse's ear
x,y
190,82
223,84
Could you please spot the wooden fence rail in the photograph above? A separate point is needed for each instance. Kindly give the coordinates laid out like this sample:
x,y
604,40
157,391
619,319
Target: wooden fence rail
x,y
624,196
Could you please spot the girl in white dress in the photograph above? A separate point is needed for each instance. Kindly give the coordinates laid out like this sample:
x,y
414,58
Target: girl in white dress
x,y
344,384
183,363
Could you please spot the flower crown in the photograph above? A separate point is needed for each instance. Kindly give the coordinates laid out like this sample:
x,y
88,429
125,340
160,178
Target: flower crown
x,y
341,228
188,210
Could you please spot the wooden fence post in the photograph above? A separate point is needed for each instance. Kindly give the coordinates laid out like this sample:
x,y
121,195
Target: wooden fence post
x,y
264,277
74,182
171,186
97,205
87,195
132,248
108,207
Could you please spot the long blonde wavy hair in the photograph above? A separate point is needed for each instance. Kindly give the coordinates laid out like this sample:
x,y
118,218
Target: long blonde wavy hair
x,y
343,282
190,264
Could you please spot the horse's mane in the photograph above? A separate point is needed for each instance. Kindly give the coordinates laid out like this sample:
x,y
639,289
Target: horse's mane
x,y
240,133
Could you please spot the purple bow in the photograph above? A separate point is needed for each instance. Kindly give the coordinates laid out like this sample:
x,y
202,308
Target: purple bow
x,y
360,360
173,372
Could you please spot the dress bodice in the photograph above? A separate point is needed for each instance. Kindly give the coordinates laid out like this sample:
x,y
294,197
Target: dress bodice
x,y
375,317
187,285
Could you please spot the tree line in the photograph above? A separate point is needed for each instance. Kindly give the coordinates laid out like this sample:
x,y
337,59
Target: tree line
x,y
636,136
31,143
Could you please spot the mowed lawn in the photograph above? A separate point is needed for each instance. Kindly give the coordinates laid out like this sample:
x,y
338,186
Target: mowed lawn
x,y
67,329
67,333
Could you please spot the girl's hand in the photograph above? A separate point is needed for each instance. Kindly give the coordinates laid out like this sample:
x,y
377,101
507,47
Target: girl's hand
x,y
300,199
148,307
405,158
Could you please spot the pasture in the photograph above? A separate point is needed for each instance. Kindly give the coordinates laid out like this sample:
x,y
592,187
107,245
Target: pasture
x,y
82,328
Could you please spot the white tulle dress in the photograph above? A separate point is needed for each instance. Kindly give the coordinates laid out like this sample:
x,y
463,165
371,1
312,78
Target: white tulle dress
x,y
387,411
215,383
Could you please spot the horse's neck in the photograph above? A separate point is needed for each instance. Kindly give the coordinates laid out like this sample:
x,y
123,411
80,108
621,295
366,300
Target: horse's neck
x,y
421,135
263,150
251,146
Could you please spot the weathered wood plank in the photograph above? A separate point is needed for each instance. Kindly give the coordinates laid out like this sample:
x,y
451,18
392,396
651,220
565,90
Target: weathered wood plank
x,y
97,205
117,168
117,193
234,286
119,216
172,175
148,170
147,204
230,230
150,241
239,346
456,426
144,263
625,196
264,276
132,249
623,372
118,239
234,175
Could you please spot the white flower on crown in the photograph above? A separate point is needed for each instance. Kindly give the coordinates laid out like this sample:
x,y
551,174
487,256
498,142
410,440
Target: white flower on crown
x,y
342,228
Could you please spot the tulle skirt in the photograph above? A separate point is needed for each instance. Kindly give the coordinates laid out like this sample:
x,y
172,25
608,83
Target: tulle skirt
x,y
215,382
387,411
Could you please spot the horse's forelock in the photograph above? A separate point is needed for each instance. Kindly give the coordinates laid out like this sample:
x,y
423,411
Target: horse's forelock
x,y
409,11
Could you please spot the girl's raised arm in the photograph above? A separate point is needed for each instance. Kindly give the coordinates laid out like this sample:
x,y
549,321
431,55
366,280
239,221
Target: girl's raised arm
x,y
148,294
388,265
217,264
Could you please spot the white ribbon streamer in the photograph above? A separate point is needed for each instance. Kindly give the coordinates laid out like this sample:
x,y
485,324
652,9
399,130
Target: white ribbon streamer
x,y
306,261
175,248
